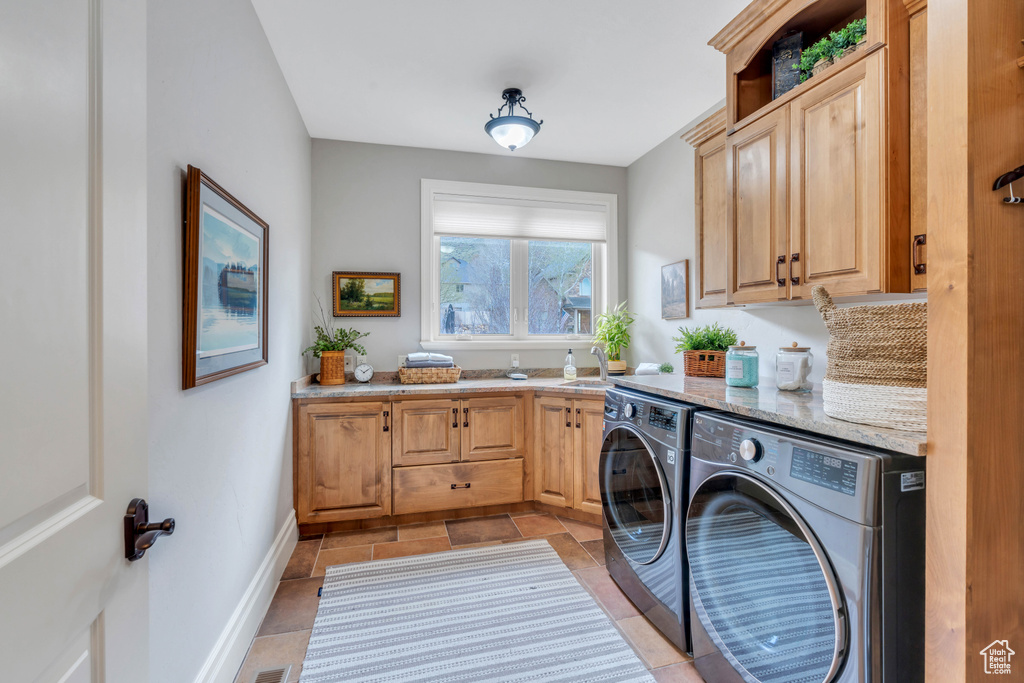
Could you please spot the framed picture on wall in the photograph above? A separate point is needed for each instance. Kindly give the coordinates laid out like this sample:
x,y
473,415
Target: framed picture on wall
x,y
224,323
366,295
675,290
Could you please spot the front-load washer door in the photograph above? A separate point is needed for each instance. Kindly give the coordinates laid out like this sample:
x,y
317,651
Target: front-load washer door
x,y
761,585
635,495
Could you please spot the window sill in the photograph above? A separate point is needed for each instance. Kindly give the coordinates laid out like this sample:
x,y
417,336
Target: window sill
x,y
489,344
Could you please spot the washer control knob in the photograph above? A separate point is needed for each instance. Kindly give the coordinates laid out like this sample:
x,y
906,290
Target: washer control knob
x,y
750,450
630,410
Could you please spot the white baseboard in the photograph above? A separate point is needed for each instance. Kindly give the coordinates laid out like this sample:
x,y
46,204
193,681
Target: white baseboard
x,y
226,657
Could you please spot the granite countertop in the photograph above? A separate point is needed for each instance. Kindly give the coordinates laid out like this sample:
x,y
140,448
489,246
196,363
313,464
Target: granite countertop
x,y
303,389
798,410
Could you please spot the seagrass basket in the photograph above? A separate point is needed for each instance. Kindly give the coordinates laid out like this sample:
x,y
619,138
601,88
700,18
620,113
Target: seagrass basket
x,y
429,375
877,363
704,363
332,367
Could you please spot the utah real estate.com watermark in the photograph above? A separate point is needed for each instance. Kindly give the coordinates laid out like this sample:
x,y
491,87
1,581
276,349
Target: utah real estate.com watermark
x,y
997,657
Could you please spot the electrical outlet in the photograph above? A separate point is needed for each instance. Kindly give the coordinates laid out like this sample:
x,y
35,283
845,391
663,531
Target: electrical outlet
x,y
401,360
515,360
360,359
348,362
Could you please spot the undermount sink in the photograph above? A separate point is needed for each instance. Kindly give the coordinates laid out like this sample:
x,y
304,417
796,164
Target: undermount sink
x,y
589,383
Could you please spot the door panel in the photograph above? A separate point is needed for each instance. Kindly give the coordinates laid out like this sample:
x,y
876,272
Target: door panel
x,y
712,224
426,432
73,350
756,171
588,428
837,177
346,455
493,428
553,453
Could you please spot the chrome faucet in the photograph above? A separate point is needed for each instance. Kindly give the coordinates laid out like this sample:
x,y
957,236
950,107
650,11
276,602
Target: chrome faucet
x,y
602,360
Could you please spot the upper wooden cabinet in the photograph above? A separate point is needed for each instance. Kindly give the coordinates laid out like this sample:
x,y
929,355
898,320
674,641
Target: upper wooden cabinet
x,y
817,181
342,461
711,221
430,432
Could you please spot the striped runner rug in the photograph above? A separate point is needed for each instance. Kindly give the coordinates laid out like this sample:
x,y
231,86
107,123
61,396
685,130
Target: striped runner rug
x,y
510,612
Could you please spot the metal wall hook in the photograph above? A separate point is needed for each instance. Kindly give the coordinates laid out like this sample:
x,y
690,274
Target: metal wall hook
x,y
1008,179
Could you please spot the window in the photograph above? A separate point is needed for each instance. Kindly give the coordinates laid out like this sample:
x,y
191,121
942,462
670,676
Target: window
x,y
513,266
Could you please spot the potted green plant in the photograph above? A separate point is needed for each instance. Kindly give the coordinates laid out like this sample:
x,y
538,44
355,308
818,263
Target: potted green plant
x,y
666,369
330,345
704,348
612,331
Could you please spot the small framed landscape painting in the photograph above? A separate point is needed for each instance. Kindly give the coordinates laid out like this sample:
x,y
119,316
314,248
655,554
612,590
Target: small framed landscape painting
x,y
675,290
225,284
377,295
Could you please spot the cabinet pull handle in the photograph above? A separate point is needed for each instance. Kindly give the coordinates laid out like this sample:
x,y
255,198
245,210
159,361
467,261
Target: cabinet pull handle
x,y
577,418
568,417
920,267
781,261
455,418
465,417
462,486
794,259
386,428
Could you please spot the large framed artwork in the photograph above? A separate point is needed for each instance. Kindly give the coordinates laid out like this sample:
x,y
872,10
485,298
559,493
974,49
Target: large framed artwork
x,y
224,322
376,295
675,290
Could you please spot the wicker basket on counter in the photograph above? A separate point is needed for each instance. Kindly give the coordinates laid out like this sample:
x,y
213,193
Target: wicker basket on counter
x,y
429,375
877,363
332,368
704,363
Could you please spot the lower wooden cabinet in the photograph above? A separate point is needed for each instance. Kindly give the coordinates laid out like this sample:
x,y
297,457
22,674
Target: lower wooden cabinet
x,y
459,485
431,432
342,461
567,452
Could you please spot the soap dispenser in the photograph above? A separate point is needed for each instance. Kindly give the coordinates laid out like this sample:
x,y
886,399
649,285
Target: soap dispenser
x,y
569,372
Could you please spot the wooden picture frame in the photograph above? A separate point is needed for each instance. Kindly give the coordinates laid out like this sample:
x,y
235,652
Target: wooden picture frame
x,y
675,290
225,283
355,297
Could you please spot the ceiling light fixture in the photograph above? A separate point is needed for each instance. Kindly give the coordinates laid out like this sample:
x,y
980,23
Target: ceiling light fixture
x,y
510,130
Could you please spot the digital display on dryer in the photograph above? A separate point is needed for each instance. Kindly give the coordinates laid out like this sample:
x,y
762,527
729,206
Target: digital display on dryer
x,y
665,419
824,470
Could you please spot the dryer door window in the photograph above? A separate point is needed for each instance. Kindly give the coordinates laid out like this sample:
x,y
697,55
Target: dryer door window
x,y
635,495
761,584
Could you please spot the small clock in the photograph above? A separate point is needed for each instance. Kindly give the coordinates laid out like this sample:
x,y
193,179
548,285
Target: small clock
x,y
364,372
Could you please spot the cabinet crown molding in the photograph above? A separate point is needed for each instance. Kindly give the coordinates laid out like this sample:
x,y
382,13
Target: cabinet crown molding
x,y
706,129
752,17
915,6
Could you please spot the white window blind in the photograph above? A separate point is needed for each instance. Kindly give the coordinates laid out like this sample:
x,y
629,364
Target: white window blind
x,y
477,216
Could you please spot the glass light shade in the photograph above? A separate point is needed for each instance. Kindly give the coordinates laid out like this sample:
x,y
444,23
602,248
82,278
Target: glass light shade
x,y
512,131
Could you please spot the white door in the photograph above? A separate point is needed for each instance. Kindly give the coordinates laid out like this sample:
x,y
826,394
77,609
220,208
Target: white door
x,y
72,339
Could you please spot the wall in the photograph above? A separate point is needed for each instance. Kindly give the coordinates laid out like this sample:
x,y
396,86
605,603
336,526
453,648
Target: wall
x,y
220,454
661,231
366,216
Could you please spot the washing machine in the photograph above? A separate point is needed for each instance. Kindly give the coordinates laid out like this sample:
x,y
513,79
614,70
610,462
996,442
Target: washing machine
x,y
806,557
643,493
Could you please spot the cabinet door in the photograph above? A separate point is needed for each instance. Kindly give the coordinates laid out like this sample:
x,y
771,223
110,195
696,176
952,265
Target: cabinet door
x,y
343,462
919,151
588,430
493,428
553,451
426,432
711,224
756,172
837,179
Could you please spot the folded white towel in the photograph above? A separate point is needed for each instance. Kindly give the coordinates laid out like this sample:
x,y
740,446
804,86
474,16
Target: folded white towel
x,y
418,356
441,358
648,369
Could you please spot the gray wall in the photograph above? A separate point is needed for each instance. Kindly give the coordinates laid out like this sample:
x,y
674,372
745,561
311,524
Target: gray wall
x,y
661,231
366,216
220,454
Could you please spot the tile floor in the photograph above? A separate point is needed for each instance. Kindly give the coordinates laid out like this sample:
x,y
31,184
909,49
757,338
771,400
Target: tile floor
x,y
284,633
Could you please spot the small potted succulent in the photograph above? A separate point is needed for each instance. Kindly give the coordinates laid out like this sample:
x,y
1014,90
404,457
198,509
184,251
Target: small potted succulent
x,y
666,369
613,332
330,346
704,348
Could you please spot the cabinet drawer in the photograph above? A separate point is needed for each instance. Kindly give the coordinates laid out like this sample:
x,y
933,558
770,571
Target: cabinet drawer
x,y
429,487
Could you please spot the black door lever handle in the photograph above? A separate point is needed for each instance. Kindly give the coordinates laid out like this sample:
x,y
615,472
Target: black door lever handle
x,y
139,534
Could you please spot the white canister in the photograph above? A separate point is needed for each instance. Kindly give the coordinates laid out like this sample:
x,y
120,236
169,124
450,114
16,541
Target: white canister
x,y
793,368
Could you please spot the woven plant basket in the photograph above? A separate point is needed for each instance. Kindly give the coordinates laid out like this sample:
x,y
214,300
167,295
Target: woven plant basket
x,y
877,363
429,375
704,363
820,66
332,367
